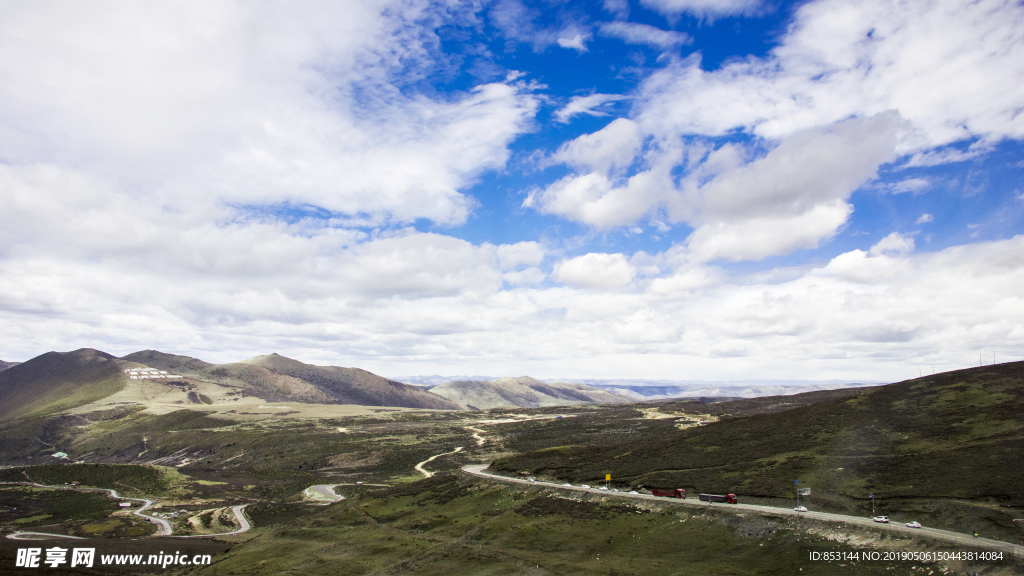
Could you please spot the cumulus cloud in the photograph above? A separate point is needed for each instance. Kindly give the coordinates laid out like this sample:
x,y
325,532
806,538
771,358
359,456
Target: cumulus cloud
x,y
925,218
310,112
953,70
595,271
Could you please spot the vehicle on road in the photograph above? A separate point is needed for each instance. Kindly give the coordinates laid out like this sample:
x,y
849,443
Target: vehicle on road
x,y
801,508
728,498
633,492
669,492
882,519
567,484
913,524
587,486
603,488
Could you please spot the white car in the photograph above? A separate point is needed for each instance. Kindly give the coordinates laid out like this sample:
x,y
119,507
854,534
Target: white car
x,y
603,488
567,484
615,489
800,509
532,479
913,524
882,519
633,492
587,486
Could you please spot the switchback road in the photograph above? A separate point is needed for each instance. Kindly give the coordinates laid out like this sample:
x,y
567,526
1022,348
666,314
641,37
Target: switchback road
x,y
935,534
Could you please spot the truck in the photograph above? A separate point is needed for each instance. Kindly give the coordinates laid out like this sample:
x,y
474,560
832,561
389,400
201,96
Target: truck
x,y
669,492
729,498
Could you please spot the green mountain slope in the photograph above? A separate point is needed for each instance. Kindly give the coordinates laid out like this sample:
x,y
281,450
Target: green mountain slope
x,y
957,435
58,381
354,386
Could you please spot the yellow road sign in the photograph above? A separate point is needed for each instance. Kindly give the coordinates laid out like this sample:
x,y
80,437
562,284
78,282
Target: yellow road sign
x,y
607,477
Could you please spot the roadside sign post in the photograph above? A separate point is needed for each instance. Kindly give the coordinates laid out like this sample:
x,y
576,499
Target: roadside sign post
x,y
796,483
872,498
607,479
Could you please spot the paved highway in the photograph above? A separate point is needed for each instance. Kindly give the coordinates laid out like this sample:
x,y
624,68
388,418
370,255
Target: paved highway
x,y
944,535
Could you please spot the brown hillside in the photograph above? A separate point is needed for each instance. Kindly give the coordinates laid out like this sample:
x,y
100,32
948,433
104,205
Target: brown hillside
x,y
58,381
255,380
355,386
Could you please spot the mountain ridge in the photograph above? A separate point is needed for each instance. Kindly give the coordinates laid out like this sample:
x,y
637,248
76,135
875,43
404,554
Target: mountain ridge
x,y
523,392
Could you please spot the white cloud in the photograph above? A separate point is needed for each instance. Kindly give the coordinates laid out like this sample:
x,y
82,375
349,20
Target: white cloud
x,y
585,105
250,104
595,271
617,8
913,185
636,33
757,238
704,8
953,70
893,244
512,255
611,149
925,218
792,198
577,42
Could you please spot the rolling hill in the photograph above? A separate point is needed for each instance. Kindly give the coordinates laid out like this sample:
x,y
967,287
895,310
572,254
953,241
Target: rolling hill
x,y
354,386
57,381
6,365
956,435
523,392
254,380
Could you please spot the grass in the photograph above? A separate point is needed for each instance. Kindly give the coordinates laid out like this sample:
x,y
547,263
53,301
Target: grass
x,y
948,437
450,525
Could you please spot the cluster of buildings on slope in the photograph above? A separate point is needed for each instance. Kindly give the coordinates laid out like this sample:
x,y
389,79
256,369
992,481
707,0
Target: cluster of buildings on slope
x,y
147,373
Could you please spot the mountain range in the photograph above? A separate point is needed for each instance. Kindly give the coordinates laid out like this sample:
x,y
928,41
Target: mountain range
x,y
88,379
523,392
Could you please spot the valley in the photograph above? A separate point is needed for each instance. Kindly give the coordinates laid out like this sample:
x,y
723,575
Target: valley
x,y
940,450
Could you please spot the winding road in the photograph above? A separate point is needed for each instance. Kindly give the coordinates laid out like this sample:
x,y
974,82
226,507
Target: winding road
x,y
428,473
934,533
165,526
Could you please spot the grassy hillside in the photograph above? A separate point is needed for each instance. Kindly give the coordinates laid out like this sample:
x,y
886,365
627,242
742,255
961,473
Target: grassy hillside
x,y
452,525
953,436
523,392
354,386
58,381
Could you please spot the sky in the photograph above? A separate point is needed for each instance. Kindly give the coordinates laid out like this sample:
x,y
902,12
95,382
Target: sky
x,y
659,189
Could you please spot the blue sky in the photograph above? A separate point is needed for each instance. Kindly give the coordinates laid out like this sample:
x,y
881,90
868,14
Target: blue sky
x,y
664,189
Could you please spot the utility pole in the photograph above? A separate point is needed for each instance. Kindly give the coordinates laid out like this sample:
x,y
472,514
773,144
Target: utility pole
x,y
872,498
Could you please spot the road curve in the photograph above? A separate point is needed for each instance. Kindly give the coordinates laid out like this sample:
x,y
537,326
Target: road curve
x,y
243,525
165,526
944,535
419,467
325,491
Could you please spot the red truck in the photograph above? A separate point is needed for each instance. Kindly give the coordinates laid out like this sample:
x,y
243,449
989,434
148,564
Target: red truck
x,y
729,498
670,492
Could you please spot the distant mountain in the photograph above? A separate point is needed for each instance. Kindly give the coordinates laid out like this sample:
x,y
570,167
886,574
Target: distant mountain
x,y
523,392
436,379
6,365
58,381
665,389
354,386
